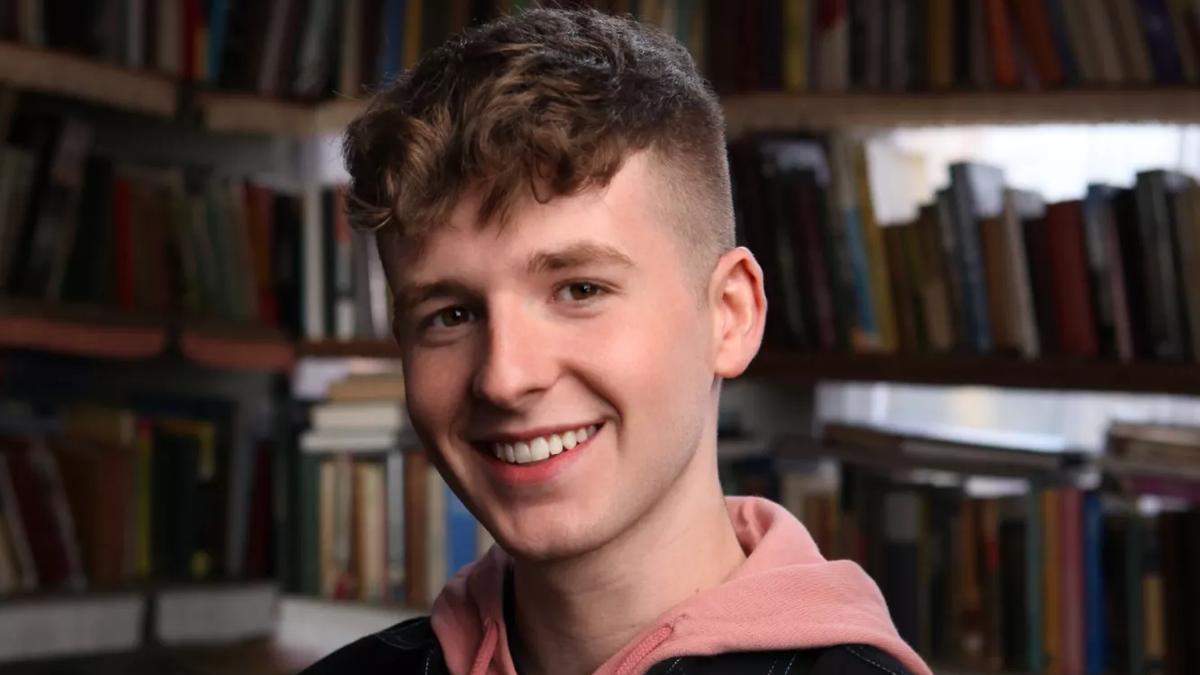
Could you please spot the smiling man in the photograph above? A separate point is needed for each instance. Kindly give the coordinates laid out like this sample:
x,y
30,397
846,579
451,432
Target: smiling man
x,y
552,205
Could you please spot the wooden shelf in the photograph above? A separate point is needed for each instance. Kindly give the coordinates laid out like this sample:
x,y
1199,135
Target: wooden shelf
x,y
249,114
774,111
109,333
779,111
370,349
99,332
143,91
228,347
948,370
89,80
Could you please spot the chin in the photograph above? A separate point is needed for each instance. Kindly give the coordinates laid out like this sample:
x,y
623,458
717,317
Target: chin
x,y
549,537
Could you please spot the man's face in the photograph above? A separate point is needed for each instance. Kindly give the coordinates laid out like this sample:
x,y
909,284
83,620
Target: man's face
x,y
580,314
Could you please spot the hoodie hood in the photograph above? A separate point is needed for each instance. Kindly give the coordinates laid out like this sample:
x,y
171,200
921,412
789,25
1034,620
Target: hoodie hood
x,y
785,596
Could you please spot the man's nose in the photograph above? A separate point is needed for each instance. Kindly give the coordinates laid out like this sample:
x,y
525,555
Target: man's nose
x,y
517,360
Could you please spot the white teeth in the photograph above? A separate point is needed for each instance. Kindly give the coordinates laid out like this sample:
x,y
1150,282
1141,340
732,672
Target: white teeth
x,y
543,448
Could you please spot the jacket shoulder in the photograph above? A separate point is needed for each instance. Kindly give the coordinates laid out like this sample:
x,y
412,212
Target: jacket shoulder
x,y
837,660
858,659
409,646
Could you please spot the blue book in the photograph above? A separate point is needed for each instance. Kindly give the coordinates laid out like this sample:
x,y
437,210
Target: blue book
x,y
461,535
216,37
977,192
1062,42
1160,41
1095,625
391,44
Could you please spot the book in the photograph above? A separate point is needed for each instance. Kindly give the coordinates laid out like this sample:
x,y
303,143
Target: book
x,y
360,415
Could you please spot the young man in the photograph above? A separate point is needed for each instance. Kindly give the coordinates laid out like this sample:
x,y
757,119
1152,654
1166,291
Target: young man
x,y
552,206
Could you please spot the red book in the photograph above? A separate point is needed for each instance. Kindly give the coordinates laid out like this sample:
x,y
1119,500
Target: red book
x,y
1034,24
122,226
261,225
33,491
1069,281
192,27
1071,580
1000,38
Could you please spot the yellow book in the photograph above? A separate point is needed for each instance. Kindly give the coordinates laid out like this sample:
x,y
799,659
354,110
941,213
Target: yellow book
x,y
797,39
412,35
940,40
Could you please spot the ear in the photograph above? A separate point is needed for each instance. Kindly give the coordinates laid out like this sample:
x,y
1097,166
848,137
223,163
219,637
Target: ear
x,y
739,311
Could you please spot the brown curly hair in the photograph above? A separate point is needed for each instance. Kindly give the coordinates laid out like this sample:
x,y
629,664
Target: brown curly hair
x,y
546,103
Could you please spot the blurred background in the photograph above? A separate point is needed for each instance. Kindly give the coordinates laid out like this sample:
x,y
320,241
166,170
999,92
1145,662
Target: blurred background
x,y
980,229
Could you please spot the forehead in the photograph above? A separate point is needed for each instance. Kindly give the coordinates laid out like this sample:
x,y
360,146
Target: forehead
x,y
626,214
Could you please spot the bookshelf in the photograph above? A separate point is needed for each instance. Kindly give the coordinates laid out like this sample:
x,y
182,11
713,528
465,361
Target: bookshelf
x,y
202,109
146,92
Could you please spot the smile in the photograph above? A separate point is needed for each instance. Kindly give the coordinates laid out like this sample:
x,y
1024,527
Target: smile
x,y
543,447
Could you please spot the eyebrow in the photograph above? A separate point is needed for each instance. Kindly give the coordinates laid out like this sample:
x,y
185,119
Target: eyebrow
x,y
576,255
411,295
569,257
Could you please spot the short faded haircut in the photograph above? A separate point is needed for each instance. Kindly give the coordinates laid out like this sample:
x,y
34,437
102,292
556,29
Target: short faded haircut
x,y
546,103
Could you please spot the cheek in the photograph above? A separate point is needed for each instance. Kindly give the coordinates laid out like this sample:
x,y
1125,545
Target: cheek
x,y
433,386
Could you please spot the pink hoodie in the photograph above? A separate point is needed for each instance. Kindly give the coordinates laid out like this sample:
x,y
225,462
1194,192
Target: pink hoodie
x,y
786,595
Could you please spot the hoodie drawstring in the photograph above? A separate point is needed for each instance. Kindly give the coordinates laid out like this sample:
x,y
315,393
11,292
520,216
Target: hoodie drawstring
x,y
651,642
487,648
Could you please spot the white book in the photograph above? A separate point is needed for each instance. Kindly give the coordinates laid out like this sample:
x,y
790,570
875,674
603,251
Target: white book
x,y
359,415
314,265
68,626
220,614
371,441
395,525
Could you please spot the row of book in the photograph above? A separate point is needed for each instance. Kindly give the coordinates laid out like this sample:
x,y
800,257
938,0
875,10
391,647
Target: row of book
x,y
982,269
1041,576
102,497
79,227
909,45
305,49
376,522
316,48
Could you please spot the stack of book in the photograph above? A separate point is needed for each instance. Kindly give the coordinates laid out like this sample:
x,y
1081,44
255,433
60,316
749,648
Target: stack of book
x,y
983,269
1038,575
110,496
376,520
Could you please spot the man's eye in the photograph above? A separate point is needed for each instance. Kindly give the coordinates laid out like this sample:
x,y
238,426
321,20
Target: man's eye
x,y
450,317
578,291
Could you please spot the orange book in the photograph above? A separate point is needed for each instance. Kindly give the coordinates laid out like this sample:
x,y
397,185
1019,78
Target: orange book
x,y
999,32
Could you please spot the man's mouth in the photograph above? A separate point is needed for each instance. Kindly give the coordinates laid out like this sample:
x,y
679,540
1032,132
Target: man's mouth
x,y
544,447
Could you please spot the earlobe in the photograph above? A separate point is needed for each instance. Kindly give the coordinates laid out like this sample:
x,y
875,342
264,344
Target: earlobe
x,y
740,312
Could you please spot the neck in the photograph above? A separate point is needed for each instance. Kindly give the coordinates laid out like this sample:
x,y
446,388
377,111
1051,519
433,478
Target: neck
x,y
573,615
